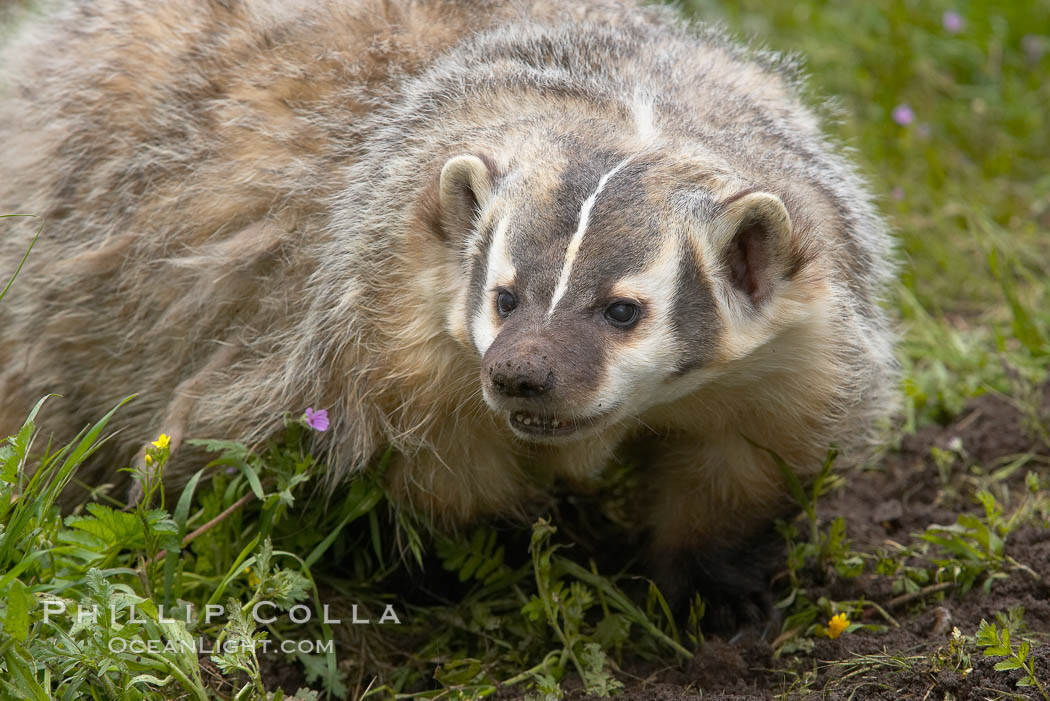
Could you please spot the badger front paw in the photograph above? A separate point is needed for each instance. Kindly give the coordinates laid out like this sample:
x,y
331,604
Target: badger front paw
x,y
733,580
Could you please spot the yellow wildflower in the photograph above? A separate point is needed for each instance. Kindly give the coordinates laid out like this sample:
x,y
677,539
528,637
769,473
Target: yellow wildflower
x,y
149,459
162,441
253,580
837,624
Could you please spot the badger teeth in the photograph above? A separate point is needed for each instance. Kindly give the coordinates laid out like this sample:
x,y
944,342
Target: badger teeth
x,y
537,421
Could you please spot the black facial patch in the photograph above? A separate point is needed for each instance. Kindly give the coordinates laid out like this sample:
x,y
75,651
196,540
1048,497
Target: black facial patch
x,y
695,318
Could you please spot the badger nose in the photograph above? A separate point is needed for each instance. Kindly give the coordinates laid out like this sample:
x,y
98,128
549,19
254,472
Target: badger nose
x,y
521,378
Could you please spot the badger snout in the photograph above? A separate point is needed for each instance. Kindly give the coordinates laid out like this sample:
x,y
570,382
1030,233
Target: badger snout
x,y
543,381
524,376
520,366
522,382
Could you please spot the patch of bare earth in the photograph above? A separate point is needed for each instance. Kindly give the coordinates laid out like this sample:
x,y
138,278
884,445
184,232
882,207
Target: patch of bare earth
x,y
889,505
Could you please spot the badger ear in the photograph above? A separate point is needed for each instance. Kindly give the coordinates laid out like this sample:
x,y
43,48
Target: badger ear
x,y
464,188
753,236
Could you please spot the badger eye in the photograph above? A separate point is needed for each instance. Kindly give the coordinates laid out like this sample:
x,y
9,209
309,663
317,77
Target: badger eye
x,y
622,314
506,302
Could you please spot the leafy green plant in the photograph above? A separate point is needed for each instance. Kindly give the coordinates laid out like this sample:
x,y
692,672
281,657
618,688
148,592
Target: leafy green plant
x,y
997,643
974,547
91,603
823,553
479,558
50,570
563,605
827,550
956,656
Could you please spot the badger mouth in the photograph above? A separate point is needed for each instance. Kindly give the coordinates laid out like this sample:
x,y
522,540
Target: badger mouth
x,y
546,425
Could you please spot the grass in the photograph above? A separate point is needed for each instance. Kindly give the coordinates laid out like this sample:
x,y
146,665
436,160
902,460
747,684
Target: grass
x,y
965,186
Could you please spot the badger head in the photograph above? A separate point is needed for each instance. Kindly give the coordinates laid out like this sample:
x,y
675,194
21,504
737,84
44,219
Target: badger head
x,y
599,287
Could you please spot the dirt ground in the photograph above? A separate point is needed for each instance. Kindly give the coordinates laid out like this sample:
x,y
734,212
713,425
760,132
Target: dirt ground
x,y
904,496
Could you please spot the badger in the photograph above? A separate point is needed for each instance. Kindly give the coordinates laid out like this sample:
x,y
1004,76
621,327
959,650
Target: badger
x,y
504,238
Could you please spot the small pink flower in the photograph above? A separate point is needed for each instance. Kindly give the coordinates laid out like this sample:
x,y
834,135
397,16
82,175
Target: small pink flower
x,y
1034,47
952,22
897,194
317,420
903,114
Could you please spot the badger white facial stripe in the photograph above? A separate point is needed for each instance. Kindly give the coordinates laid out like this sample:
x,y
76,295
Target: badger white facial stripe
x,y
499,271
577,238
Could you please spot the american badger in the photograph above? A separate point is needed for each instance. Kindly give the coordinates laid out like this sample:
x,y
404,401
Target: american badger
x,y
505,238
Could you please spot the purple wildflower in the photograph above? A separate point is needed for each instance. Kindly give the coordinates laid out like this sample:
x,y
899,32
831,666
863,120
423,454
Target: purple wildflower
x,y
952,22
317,420
903,114
1034,47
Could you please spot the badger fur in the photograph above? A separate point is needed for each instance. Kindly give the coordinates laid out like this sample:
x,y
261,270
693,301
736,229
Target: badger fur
x,y
503,237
